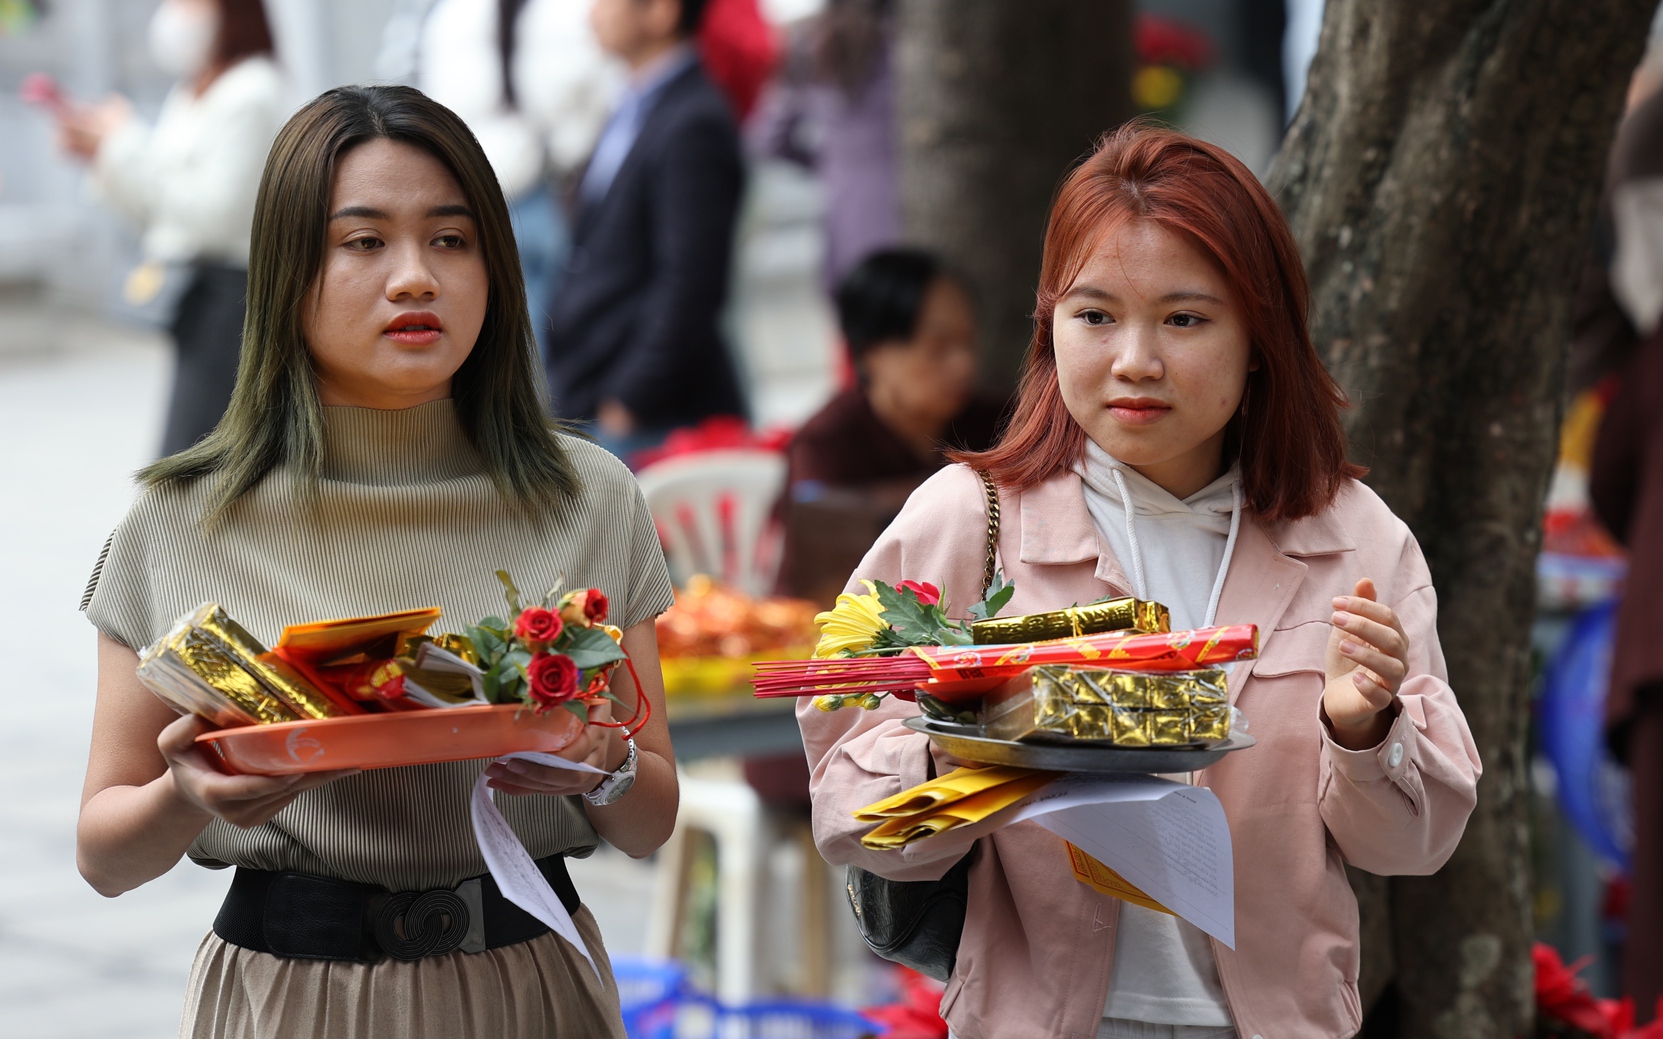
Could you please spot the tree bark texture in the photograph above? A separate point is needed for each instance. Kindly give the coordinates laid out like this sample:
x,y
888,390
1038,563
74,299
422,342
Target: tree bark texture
x,y
1441,177
997,101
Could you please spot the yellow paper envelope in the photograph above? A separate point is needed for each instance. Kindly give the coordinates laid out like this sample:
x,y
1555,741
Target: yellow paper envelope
x,y
321,640
901,831
941,791
1088,870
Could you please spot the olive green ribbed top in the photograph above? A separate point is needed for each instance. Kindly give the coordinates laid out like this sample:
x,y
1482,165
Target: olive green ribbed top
x,y
405,517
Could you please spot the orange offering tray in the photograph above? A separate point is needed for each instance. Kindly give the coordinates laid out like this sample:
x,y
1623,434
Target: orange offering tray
x,y
390,740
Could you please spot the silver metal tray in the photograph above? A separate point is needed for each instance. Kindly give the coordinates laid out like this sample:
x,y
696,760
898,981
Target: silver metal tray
x,y
961,742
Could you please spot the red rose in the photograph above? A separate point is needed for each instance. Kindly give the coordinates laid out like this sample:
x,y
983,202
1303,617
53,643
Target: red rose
x,y
928,594
585,607
554,679
538,625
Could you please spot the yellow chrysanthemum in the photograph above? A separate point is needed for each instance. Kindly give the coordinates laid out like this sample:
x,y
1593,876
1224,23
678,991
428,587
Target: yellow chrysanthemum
x,y
852,624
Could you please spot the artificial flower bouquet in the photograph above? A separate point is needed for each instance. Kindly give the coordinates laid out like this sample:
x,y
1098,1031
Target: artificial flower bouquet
x,y
1111,671
358,674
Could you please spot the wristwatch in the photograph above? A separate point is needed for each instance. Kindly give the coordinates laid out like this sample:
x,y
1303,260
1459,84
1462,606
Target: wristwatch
x,y
618,783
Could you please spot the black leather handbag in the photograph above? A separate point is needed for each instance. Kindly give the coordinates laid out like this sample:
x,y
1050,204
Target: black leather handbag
x,y
918,923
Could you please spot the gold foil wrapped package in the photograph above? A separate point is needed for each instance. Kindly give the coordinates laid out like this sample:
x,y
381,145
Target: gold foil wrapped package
x,y
409,645
1168,728
276,674
1126,708
1128,727
1210,723
1115,615
196,673
208,664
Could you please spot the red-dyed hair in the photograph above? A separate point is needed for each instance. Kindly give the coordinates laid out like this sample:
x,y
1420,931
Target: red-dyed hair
x,y
1287,433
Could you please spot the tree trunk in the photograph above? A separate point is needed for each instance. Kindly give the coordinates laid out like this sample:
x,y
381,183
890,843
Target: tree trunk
x,y
997,101
1441,177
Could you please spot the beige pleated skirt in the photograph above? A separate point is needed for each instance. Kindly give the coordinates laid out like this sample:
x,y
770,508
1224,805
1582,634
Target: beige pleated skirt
x,y
534,990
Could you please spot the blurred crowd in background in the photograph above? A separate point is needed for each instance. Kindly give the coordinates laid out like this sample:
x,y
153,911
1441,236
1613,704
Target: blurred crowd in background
x,y
704,192
706,201
168,109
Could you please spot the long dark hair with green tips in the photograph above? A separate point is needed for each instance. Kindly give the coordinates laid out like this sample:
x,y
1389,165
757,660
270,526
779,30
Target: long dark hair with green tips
x,y
275,417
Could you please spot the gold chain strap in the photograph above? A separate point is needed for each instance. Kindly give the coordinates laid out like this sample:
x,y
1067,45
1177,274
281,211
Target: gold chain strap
x,y
991,567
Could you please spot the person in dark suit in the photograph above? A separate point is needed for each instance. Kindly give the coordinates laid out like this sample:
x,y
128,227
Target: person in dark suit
x,y
634,345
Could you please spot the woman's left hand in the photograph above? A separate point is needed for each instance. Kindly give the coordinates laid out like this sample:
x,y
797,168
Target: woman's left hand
x,y
599,745
1368,658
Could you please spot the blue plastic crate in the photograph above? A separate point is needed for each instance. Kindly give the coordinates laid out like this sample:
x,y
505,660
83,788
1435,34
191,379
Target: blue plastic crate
x,y
792,1019
696,1017
645,986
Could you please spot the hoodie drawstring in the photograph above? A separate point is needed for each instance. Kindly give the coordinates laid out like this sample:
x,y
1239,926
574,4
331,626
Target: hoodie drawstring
x,y
1138,582
1229,550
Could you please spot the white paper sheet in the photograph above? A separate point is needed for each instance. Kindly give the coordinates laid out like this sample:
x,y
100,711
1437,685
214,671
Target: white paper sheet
x,y
516,873
1169,839
432,658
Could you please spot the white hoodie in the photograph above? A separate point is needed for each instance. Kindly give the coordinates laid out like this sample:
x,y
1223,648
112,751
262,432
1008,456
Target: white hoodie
x,y
1174,552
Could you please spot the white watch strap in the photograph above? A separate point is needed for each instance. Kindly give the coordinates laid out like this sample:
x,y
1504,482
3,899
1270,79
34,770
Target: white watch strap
x,y
599,795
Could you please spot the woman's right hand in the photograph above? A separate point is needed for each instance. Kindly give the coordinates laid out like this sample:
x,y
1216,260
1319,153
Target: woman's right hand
x,y
244,801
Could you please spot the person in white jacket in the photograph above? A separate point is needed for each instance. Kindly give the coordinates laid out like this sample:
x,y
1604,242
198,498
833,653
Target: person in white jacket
x,y
189,182
534,86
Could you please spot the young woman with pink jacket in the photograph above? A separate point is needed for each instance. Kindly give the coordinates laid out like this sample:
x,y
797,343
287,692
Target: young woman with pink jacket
x,y
1176,438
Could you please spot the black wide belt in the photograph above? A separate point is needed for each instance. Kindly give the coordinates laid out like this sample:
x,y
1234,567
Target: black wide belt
x,y
301,916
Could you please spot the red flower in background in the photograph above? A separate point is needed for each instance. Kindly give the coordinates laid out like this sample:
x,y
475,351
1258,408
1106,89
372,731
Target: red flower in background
x,y
928,594
917,1015
739,51
554,679
538,625
1168,41
1563,997
719,433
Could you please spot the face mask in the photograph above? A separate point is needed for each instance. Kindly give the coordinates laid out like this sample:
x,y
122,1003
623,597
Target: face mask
x,y
182,37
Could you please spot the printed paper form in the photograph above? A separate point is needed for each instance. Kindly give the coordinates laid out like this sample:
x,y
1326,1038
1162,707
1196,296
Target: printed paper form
x,y
516,873
1169,839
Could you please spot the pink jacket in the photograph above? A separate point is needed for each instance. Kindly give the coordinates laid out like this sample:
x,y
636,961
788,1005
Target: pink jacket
x,y
1038,944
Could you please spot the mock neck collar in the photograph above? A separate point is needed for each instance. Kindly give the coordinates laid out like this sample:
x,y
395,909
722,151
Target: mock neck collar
x,y
423,444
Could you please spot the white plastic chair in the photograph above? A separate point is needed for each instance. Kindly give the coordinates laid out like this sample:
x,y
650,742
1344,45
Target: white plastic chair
x,y
732,814
714,512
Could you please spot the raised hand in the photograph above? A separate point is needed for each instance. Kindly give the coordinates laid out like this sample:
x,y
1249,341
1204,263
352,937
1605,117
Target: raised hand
x,y
1368,658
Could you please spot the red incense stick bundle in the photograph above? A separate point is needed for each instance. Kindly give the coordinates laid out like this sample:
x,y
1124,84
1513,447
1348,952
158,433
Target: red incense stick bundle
x,y
840,675
1165,651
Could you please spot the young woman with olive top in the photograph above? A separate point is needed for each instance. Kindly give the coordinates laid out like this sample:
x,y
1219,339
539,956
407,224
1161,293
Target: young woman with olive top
x,y
386,448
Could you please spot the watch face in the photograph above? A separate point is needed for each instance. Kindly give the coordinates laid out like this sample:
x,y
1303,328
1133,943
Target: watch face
x,y
620,787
